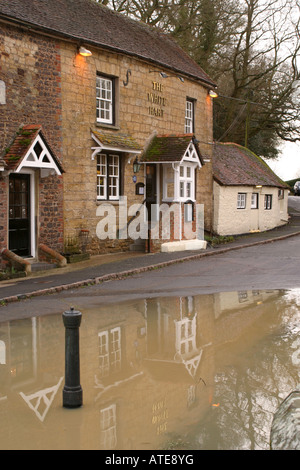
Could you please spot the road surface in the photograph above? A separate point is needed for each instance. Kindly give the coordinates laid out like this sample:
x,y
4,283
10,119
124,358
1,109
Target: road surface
x,y
268,266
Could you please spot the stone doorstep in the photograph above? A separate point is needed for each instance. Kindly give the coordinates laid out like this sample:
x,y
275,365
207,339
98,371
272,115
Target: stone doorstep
x,y
183,245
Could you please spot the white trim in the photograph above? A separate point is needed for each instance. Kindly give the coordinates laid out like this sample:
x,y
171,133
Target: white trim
x,y
191,155
32,160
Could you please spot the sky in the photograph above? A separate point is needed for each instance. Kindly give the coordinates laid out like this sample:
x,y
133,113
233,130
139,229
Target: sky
x,y
287,166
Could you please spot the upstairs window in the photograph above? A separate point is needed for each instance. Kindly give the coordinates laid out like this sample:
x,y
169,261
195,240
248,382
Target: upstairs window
x,y
105,100
189,116
254,201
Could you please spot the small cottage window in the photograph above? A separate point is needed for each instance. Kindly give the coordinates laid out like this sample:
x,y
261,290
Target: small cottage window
x,y
241,201
254,201
268,202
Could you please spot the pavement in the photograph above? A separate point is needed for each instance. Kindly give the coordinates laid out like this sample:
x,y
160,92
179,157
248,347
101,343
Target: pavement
x,y
116,266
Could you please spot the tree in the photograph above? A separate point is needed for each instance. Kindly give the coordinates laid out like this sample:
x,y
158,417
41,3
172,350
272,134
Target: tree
x,y
249,48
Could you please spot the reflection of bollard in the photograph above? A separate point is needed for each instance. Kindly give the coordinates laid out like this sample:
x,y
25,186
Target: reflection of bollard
x,y
72,392
285,430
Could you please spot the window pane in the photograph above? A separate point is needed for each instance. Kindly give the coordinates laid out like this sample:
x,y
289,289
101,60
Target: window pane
x,y
101,176
181,189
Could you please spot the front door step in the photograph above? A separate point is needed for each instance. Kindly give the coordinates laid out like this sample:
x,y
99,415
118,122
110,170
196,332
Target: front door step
x,y
183,245
40,266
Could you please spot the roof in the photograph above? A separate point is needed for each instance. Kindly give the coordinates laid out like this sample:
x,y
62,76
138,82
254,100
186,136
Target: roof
x,y
234,165
86,21
169,148
120,140
22,144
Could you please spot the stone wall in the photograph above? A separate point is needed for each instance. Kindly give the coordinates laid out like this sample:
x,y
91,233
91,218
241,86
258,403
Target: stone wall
x,y
136,114
30,70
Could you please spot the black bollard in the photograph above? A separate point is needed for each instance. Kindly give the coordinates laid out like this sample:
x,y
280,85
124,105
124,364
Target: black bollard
x,y
72,392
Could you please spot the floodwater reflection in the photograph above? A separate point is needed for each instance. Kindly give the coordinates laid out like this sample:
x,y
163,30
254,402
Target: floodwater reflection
x,y
202,372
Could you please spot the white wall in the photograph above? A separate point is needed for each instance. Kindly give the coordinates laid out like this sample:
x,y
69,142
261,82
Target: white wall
x,y
228,220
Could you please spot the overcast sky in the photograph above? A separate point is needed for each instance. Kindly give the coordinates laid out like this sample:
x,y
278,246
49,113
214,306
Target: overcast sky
x,y
287,167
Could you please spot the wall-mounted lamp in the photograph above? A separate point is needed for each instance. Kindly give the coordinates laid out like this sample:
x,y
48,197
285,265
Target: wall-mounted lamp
x,y
161,74
136,166
165,75
84,52
213,94
127,77
258,186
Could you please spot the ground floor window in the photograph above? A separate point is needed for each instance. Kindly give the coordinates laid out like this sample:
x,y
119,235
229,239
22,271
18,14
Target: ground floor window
x,y
268,202
241,201
186,181
108,176
254,201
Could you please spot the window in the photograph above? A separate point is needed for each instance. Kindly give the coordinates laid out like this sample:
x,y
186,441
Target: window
x,y
280,194
109,351
189,116
254,201
241,201
105,100
268,202
108,427
108,176
186,182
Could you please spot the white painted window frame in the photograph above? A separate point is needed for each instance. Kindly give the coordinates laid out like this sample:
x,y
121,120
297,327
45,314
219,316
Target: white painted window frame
x,y
111,163
254,200
241,200
104,99
189,116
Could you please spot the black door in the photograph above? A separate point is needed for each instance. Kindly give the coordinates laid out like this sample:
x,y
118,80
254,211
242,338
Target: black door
x,y
150,188
19,214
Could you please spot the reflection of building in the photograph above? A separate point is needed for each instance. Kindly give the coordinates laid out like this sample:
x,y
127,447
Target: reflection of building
x,y
172,336
147,370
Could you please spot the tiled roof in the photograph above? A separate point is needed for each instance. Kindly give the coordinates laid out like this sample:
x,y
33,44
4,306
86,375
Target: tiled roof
x,y
168,148
22,143
92,23
117,140
234,165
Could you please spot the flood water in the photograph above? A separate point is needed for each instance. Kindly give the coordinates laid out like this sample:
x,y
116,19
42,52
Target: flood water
x,y
189,373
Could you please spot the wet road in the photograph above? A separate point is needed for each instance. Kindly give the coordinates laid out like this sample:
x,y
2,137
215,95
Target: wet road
x,y
269,266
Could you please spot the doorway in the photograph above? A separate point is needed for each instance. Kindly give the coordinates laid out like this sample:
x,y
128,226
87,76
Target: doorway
x,y
19,214
151,190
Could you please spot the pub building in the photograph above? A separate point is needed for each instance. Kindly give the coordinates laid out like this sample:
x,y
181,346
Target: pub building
x,y
104,123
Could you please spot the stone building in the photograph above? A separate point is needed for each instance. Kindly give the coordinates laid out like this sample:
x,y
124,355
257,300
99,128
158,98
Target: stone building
x,y
99,92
